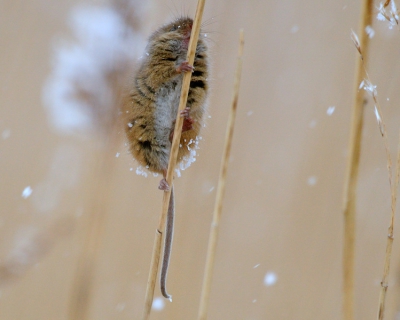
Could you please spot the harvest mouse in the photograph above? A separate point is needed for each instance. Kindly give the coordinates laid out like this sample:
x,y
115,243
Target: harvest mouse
x,y
153,105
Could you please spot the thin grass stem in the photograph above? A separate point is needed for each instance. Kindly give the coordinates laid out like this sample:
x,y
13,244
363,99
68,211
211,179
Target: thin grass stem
x,y
350,187
212,244
84,276
390,235
172,162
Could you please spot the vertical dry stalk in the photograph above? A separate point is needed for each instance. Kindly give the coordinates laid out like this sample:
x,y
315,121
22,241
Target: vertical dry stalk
x,y
389,243
393,186
84,276
83,281
393,189
368,86
212,244
111,67
350,187
172,162
94,224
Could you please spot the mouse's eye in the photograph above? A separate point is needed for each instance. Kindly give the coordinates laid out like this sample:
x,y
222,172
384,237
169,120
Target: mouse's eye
x,y
173,28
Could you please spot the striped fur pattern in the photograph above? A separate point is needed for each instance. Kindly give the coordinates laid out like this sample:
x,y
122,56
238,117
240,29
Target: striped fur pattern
x,y
155,94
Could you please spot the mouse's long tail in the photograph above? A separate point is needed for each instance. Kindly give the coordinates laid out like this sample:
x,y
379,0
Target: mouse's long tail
x,y
169,231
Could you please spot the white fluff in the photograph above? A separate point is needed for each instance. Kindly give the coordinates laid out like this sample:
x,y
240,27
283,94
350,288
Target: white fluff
x,y
78,92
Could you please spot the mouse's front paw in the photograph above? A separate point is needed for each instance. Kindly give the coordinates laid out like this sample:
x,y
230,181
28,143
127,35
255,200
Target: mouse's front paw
x,y
184,67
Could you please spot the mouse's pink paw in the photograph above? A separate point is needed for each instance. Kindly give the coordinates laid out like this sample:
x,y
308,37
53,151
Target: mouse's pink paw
x,y
184,67
188,121
163,185
185,113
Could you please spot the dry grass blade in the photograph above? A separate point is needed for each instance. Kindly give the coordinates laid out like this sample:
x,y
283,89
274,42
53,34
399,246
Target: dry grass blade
x,y
83,282
350,187
367,85
104,112
389,243
172,162
212,244
95,224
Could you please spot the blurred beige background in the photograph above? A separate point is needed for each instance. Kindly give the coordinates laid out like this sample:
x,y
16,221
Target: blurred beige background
x,y
279,252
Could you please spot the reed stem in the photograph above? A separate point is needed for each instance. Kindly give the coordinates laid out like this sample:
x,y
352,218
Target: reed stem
x,y
393,189
212,244
83,282
350,187
172,162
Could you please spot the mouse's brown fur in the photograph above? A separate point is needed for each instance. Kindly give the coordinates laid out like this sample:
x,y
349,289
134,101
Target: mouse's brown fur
x,y
155,93
153,105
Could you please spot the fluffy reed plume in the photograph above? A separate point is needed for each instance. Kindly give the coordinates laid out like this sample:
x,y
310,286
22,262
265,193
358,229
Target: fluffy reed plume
x,y
82,92
367,85
350,186
83,95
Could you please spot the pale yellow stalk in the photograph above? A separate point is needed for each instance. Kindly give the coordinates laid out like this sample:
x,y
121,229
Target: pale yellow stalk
x,y
172,162
350,187
212,243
